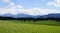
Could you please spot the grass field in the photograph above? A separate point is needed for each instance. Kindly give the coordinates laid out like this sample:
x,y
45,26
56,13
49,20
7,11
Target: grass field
x,y
15,26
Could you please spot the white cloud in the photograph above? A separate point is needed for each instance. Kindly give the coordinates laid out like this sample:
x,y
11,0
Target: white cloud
x,y
50,3
56,3
18,9
38,11
12,5
34,11
19,6
3,11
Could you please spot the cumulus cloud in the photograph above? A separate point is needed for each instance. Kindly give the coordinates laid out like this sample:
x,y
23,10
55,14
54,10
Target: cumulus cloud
x,y
39,11
56,3
34,11
14,9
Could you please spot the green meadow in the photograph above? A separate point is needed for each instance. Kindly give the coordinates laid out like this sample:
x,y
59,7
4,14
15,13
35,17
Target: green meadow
x,y
16,26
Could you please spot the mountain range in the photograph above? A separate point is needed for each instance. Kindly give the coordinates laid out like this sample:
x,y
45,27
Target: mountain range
x,y
54,15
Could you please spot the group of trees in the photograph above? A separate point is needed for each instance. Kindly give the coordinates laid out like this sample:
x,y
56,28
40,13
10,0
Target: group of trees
x,y
24,19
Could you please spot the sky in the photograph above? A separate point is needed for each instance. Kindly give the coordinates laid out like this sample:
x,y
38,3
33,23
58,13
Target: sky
x,y
31,7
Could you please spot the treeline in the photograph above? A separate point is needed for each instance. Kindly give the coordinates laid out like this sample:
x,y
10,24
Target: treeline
x,y
35,19
6,18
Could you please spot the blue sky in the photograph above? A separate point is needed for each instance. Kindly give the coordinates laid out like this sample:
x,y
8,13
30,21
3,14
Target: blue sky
x,y
32,7
29,3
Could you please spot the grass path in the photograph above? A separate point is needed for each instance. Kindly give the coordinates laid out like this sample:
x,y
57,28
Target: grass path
x,y
11,27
